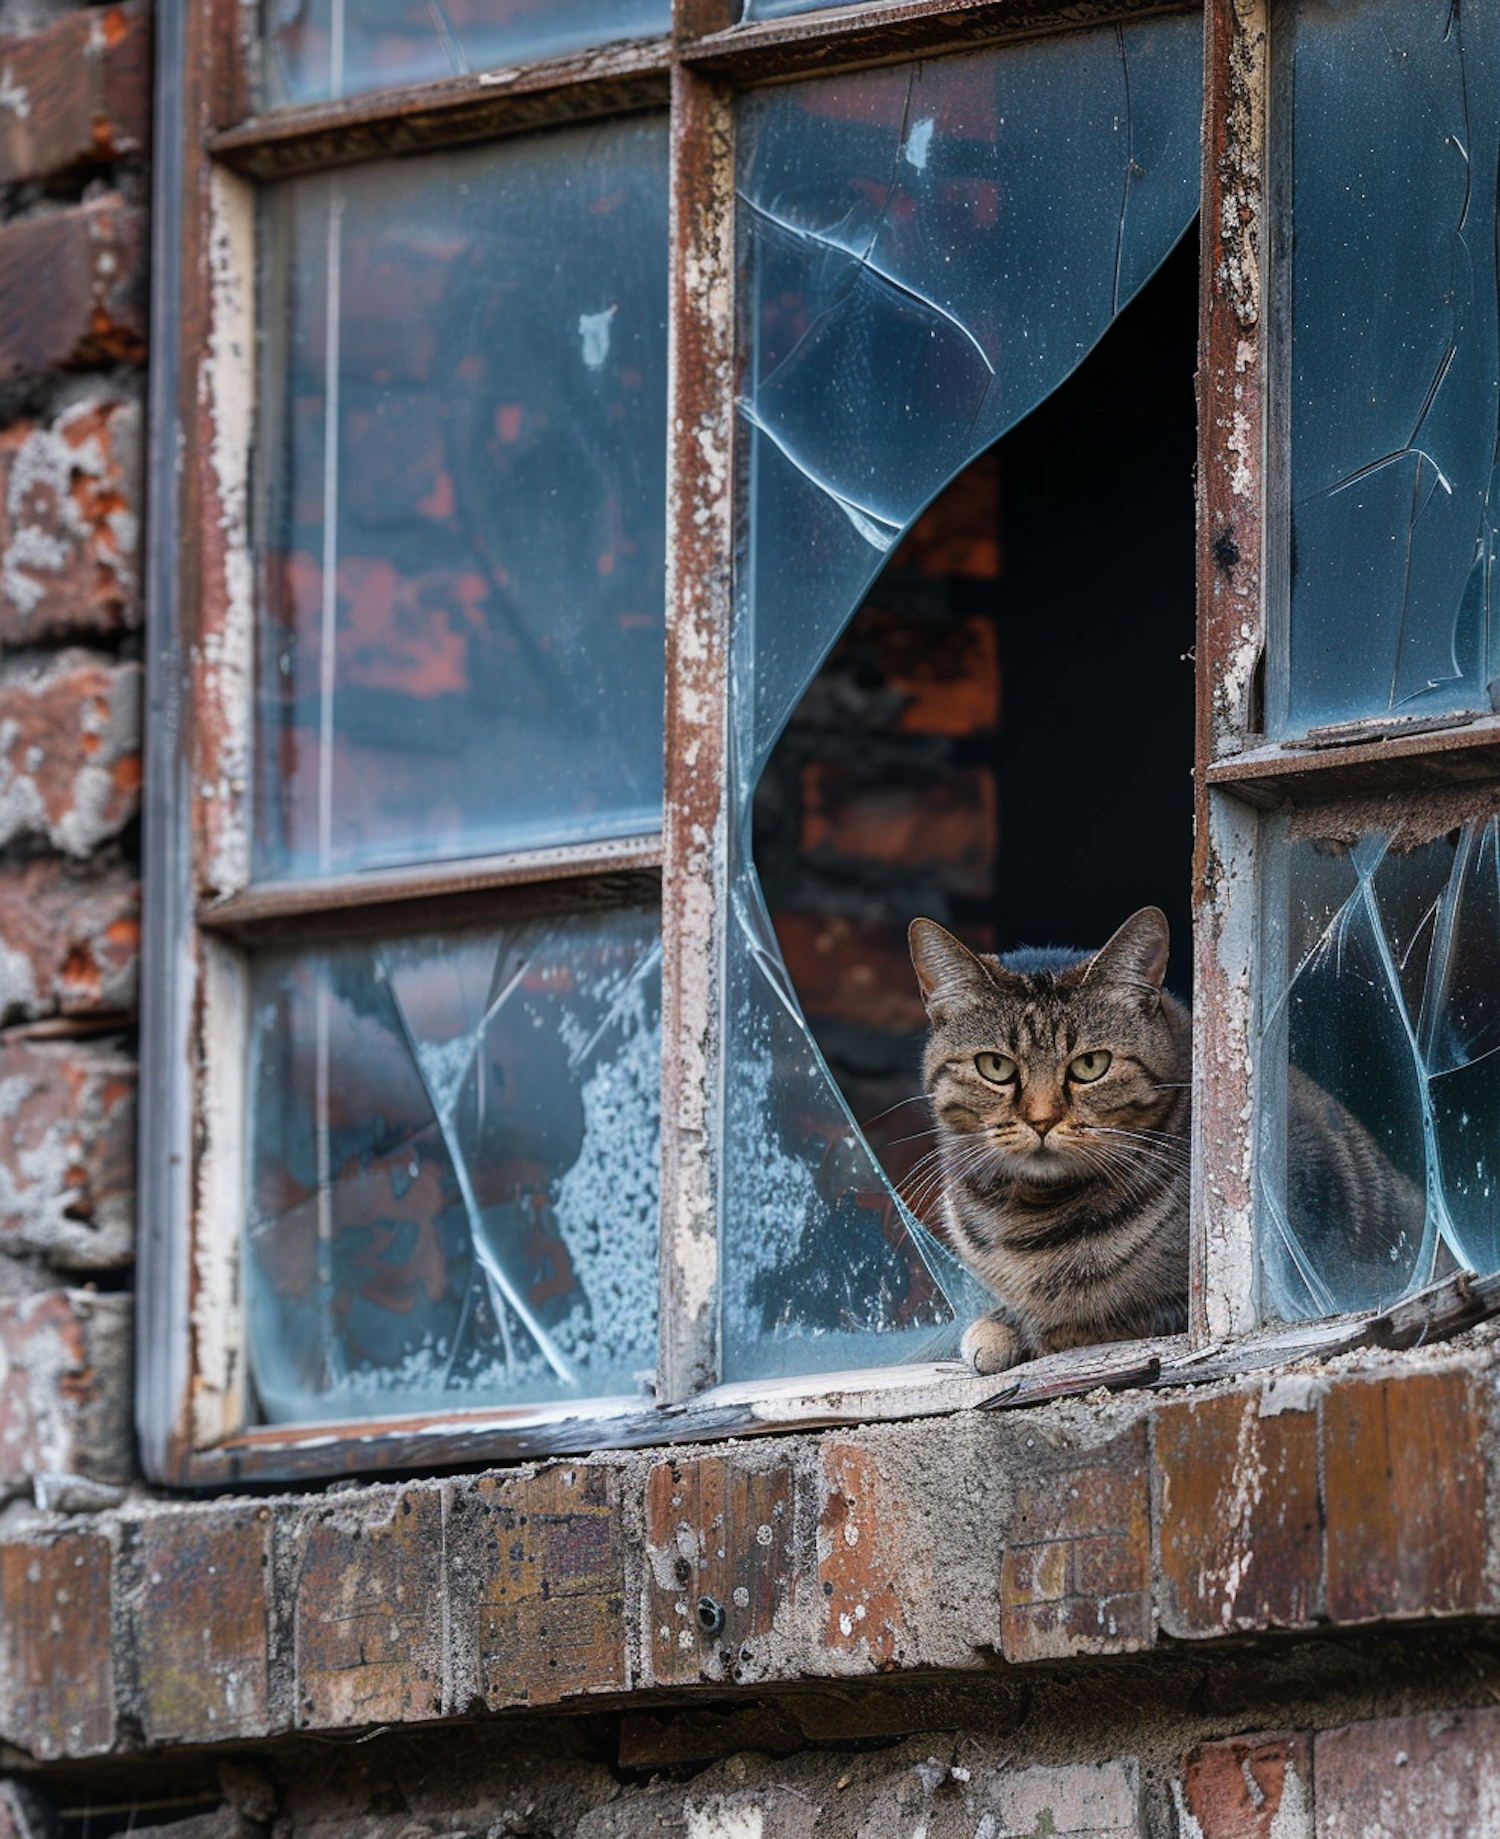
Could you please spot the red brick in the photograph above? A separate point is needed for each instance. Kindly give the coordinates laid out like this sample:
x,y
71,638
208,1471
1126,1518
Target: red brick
x,y
75,94
851,970
941,825
369,1610
551,1595
69,521
1436,1776
70,750
865,1560
56,1650
67,1152
72,287
69,940
1076,1574
1252,1788
64,1386
199,1625
1406,1497
959,532
718,1534
1239,1530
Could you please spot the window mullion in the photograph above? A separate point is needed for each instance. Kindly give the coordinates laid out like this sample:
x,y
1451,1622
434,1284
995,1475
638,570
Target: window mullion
x,y
1231,626
700,544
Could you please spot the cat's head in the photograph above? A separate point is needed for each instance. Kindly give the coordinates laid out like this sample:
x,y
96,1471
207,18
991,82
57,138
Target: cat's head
x,y
1058,1064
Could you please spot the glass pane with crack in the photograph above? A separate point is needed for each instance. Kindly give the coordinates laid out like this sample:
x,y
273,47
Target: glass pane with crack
x,y
926,252
1379,1163
460,637
453,1178
1395,362
319,50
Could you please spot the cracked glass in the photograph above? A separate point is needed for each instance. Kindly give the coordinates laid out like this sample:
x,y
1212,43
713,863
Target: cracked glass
x,y
460,644
926,251
1395,362
319,50
1379,1168
453,1184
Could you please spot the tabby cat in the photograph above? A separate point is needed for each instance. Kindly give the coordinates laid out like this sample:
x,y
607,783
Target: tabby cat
x,y
1060,1087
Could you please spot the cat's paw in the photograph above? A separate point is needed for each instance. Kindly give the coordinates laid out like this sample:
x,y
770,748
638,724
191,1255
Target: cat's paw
x,y
990,1346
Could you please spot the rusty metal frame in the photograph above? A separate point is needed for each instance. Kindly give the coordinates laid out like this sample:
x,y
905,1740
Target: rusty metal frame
x,y
211,149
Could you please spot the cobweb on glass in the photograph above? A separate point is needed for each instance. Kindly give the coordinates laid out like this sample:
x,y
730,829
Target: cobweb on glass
x,y
926,252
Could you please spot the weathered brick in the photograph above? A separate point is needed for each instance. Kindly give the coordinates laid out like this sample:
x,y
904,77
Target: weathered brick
x,y
72,287
56,1651
1078,1801
1239,1532
67,1152
1251,1788
369,1610
721,1543
546,1553
1436,1776
70,750
1076,1575
851,970
69,939
70,520
867,1567
76,93
199,1625
939,824
64,1386
1405,1494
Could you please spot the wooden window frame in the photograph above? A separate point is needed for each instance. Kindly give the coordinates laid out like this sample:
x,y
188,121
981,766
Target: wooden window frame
x,y
211,149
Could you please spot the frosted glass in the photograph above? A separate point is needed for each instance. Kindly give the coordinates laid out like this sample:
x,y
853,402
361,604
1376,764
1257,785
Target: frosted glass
x,y
320,49
1395,362
461,635
1380,1162
926,251
453,1174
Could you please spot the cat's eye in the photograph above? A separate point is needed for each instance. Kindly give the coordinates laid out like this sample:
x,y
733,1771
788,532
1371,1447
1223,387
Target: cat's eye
x,y
999,1069
1087,1067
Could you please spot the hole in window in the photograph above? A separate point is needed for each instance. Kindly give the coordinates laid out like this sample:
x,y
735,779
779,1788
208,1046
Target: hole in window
x,y
1002,740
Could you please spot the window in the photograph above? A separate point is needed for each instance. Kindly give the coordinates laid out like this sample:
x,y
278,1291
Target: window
x,y
551,385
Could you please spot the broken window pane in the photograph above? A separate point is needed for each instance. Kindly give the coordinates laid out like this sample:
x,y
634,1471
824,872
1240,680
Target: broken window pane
x,y
320,49
1380,1161
926,252
1395,362
461,634
779,9
453,1177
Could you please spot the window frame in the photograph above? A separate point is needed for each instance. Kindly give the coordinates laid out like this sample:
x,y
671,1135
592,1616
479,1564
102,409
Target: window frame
x,y
211,150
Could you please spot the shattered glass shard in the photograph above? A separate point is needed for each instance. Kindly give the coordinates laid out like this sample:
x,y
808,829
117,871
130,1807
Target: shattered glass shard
x,y
453,1189
1395,362
1379,1164
926,252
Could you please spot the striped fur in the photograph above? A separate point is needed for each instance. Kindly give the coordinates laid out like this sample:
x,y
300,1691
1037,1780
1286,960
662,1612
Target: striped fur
x,y
1067,1197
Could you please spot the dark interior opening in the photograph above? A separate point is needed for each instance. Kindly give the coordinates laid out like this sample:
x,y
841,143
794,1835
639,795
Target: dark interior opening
x,y
1002,740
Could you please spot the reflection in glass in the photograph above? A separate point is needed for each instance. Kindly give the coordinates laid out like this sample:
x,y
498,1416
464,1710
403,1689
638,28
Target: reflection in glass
x,y
453,1187
461,634
1395,361
317,50
926,251
1380,1168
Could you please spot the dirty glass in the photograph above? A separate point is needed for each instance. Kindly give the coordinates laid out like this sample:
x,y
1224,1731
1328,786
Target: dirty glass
x,y
1380,1157
453,1174
461,631
1395,361
926,251
779,9
318,50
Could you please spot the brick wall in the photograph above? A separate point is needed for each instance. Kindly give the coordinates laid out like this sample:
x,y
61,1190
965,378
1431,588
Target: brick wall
x,y
74,121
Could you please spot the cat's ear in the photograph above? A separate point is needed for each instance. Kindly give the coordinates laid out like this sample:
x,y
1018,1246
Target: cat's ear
x,y
1137,954
950,975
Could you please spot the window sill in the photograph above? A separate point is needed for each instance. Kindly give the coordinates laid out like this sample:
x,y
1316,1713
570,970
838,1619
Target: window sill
x,y
1336,1492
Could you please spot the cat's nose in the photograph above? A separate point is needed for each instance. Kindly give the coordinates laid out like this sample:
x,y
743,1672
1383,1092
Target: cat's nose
x,y
1041,1125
